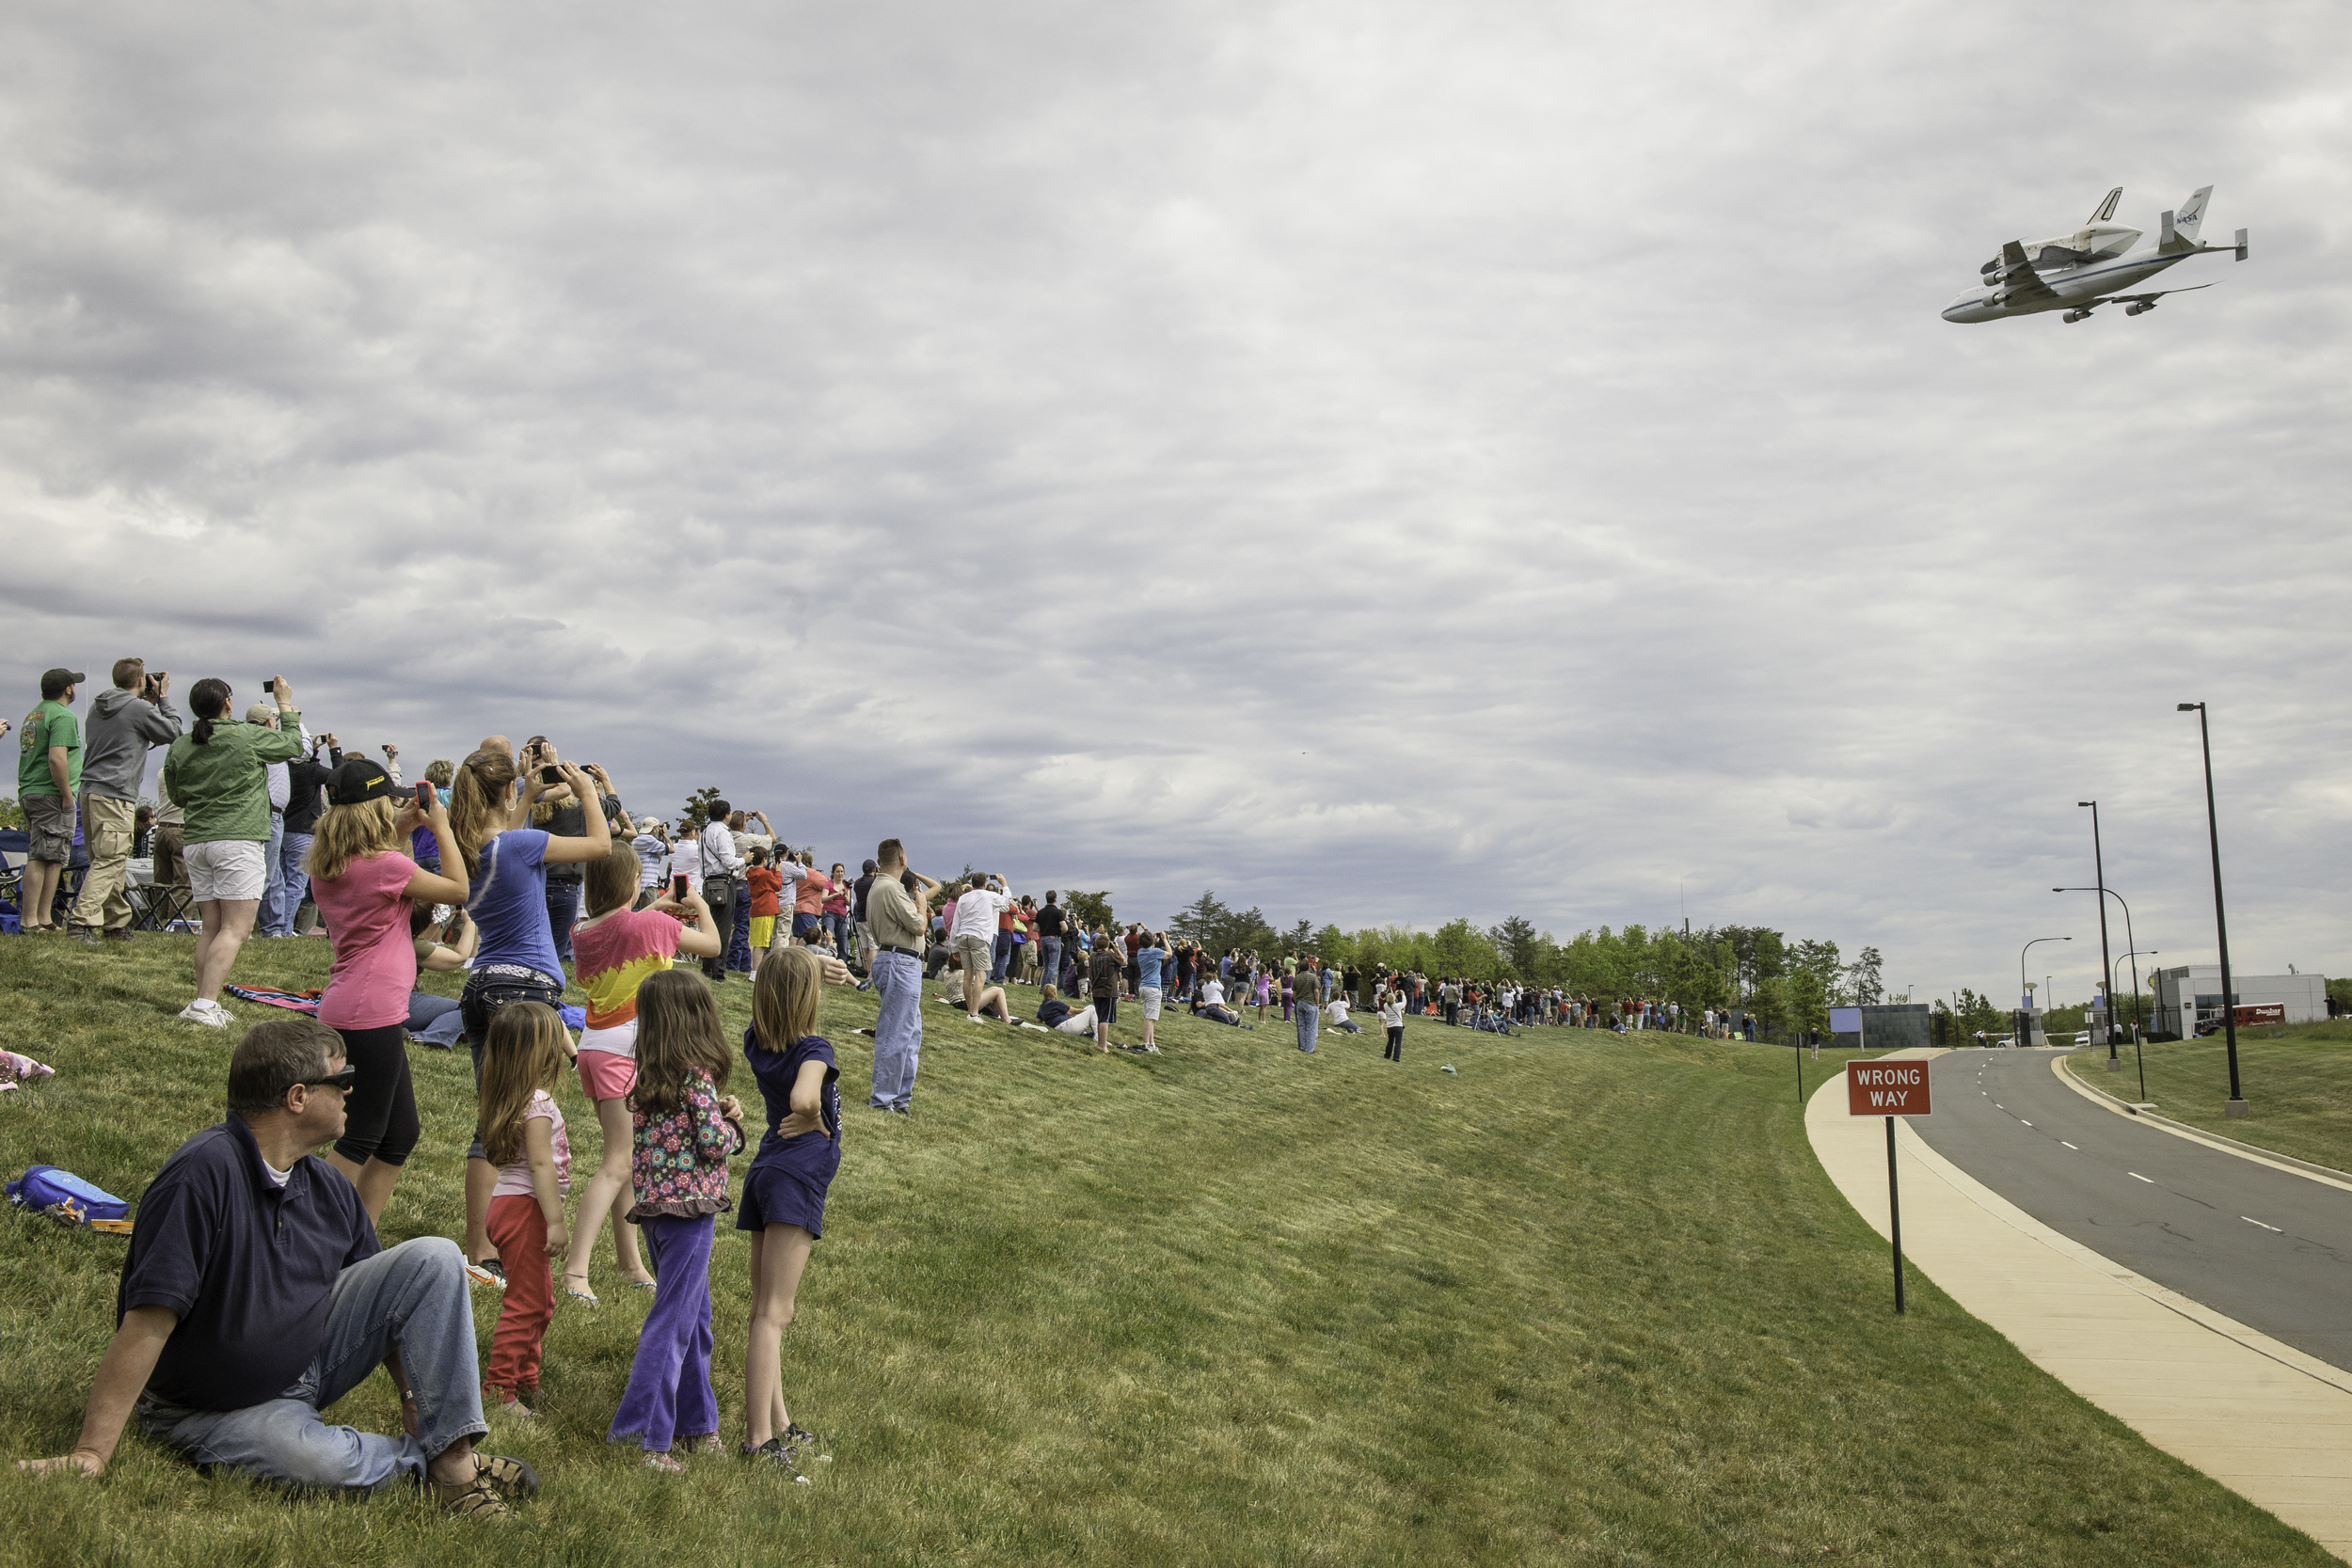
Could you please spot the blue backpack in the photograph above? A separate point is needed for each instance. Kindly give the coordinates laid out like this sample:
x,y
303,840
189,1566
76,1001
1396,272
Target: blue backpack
x,y
48,1189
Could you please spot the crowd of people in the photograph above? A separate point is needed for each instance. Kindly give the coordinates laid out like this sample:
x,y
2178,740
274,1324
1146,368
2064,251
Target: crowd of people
x,y
255,1291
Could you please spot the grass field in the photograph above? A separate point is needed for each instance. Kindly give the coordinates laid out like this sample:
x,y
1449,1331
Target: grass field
x,y
1591,1301
2297,1088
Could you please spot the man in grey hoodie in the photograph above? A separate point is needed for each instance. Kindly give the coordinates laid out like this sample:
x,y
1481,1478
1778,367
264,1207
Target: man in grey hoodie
x,y
125,721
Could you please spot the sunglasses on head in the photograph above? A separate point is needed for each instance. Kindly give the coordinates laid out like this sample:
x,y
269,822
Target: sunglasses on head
x,y
343,1080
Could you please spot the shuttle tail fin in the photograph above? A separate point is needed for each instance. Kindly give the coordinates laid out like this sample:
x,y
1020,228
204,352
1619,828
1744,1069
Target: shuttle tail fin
x,y
2106,209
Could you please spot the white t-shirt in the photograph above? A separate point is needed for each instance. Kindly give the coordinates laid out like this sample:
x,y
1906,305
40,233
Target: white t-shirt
x,y
1212,994
976,912
687,858
1337,1008
1392,1012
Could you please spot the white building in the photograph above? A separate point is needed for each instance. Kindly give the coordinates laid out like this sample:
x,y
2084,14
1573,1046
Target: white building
x,y
2302,997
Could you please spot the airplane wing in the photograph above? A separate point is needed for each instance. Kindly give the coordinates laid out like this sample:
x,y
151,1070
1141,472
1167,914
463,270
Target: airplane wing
x,y
2159,293
2018,283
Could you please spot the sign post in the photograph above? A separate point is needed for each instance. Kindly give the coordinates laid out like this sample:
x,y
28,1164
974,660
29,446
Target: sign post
x,y
1889,1090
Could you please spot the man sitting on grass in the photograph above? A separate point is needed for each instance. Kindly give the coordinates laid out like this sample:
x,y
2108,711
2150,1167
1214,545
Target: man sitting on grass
x,y
1052,1012
255,1295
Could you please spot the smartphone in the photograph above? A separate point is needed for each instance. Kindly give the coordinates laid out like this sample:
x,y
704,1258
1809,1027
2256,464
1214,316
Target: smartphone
x,y
550,775
677,887
425,796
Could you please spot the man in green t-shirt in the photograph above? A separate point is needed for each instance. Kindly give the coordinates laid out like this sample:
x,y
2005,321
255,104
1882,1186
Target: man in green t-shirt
x,y
48,776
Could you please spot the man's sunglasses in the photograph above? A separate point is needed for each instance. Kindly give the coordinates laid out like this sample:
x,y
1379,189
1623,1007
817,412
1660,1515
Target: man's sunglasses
x,y
343,1080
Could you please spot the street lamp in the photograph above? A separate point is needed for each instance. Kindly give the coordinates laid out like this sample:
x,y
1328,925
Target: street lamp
x,y
2024,990
2236,1106
2134,955
2110,892
2099,864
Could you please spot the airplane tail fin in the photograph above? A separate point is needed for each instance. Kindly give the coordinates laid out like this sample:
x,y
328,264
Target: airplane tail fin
x,y
2191,213
2106,209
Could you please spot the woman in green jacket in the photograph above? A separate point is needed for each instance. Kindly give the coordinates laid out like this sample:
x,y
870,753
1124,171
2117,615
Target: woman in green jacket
x,y
217,773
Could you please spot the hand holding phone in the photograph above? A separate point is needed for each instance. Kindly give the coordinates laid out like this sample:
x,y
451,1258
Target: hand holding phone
x,y
677,887
425,798
550,775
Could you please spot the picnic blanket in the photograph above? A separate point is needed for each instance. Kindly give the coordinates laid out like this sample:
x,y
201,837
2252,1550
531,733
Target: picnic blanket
x,y
293,1001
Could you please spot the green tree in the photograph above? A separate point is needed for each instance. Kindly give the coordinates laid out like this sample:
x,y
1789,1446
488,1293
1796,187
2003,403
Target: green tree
x,y
1335,946
1515,943
1204,921
1863,975
1461,948
697,814
1300,937
1817,963
1090,909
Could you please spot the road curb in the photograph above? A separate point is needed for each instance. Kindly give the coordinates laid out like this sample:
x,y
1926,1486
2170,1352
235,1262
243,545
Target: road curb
x,y
2327,1176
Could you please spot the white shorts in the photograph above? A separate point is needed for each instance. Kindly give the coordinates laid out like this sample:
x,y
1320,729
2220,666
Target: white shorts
x,y
226,871
1149,997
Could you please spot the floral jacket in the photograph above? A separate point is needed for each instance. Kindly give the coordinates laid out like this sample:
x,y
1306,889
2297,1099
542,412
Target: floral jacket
x,y
680,1163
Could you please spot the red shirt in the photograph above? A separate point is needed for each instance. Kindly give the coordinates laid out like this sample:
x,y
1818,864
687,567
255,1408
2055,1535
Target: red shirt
x,y
765,883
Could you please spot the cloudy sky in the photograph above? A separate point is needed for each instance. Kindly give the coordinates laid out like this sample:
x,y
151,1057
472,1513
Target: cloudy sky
x,y
1382,462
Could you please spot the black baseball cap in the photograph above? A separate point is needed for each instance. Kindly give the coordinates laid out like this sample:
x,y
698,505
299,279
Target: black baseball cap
x,y
359,780
871,866
53,681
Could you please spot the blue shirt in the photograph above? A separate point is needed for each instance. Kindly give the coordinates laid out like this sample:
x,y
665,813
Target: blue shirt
x,y
812,1154
510,903
246,1263
1148,966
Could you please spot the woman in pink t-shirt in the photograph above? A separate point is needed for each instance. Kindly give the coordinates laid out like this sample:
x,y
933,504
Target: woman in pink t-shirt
x,y
364,887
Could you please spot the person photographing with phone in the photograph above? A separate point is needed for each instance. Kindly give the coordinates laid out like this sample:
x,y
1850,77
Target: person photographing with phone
x,y
505,862
125,721
366,887
219,774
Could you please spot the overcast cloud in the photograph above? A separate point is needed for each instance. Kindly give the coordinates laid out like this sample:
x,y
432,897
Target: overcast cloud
x,y
1381,462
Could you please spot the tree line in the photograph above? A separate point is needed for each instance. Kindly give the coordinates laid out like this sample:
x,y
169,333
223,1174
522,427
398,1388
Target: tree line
x,y
1787,985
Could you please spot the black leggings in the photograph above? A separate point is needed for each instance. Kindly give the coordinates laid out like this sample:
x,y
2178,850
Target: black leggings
x,y
1396,1052
380,1113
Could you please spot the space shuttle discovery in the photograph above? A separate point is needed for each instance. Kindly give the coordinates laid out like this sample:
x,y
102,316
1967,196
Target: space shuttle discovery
x,y
2075,273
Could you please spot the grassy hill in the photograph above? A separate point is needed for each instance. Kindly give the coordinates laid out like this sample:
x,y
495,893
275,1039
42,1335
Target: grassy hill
x,y
1591,1300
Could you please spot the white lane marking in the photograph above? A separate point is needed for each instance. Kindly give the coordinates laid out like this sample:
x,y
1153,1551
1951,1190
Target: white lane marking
x,y
2027,1123
2070,1146
2136,1177
2275,1230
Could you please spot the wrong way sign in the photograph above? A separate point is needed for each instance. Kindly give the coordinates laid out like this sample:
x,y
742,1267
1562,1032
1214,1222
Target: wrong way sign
x,y
1886,1089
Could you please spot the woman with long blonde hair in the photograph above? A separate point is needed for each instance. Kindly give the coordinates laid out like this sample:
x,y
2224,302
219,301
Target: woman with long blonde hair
x,y
489,805
365,887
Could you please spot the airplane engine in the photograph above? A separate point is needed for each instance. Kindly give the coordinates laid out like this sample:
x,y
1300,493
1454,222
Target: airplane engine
x,y
2139,306
2074,316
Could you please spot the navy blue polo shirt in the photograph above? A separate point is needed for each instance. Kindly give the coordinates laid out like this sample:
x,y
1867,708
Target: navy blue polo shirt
x,y
246,1264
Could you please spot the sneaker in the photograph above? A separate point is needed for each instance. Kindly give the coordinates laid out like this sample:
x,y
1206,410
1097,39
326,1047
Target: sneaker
x,y
211,1014
488,1272
120,933
81,934
773,1451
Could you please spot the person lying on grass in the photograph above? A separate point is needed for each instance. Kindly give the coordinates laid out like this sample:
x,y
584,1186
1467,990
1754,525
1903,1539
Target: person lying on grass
x,y
991,1004
1052,1012
255,1295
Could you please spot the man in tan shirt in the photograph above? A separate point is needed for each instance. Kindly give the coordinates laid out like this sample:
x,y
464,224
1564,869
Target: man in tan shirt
x,y
897,917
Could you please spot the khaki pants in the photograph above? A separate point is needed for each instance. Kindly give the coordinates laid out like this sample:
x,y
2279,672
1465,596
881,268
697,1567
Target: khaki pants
x,y
171,870
106,833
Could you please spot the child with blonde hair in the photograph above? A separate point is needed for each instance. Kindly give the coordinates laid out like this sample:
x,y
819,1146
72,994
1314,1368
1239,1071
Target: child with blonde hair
x,y
683,1131
522,1135
783,1192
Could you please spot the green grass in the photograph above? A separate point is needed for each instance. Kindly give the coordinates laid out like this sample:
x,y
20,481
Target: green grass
x,y
2297,1088
1591,1301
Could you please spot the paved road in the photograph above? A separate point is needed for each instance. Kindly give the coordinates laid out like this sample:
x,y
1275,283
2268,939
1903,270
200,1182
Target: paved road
x,y
2270,1249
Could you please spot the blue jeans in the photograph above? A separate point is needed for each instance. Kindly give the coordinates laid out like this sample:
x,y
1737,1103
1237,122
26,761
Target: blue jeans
x,y
1308,1017
1049,965
563,914
412,1298
999,958
265,918
898,1029
293,883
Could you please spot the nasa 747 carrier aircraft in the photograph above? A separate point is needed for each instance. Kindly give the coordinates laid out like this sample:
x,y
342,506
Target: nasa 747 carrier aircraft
x,y
2079,272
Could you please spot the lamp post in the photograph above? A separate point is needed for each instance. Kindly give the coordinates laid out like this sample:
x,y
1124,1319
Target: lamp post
x,y
2109,893
2236,1106
2024,990
2099,864
2134,955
